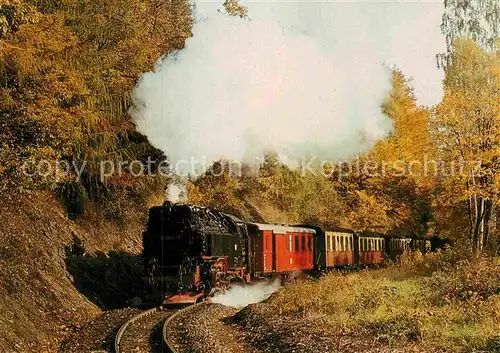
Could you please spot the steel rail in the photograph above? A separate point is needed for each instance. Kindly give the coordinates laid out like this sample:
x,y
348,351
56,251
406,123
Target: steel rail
x,y
166,339
130,321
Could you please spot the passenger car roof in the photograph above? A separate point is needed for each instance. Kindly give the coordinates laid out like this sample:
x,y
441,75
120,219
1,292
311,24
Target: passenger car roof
x,y
283,229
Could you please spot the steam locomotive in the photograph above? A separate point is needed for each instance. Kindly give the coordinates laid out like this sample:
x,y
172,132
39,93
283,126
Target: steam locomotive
x,y
194,251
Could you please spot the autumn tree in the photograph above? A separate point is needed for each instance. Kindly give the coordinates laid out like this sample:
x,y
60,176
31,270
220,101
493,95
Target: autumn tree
x,y
395,196
478,20
67,69
410,138
234,8
467,128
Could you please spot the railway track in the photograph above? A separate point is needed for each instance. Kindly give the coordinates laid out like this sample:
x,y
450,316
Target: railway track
x,y
143,333
172,346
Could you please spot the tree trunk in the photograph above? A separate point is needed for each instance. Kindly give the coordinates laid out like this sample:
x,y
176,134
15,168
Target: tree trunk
x,y
477,243
469,208
496,216
487,222
480,237
474,232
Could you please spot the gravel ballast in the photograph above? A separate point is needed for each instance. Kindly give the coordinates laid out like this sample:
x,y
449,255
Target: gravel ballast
x,y
208,328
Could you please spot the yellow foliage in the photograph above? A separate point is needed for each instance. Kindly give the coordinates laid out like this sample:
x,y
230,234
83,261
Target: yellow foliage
x,y
66,72
433,302
467,127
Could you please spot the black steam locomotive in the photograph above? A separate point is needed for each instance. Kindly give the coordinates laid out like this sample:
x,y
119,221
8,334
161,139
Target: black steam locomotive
x,y
194,251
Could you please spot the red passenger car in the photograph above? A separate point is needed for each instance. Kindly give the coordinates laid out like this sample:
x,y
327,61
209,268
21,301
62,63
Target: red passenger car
x,y
371,247
278,249
339,247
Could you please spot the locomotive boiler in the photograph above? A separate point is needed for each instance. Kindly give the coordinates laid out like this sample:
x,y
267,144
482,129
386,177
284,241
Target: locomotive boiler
x,y
194,251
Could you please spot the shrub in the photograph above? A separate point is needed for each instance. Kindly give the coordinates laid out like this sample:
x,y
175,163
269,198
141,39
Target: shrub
x,y
467,279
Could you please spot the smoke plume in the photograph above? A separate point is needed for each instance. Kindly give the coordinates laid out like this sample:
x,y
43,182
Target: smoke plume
x,y
177,192
241,296
300,79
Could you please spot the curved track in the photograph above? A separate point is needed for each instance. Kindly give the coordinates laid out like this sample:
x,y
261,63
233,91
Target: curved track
x,y
166,338
142,333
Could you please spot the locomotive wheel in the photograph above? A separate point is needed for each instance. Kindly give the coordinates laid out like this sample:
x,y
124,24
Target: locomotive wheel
x,y
209,290
222,286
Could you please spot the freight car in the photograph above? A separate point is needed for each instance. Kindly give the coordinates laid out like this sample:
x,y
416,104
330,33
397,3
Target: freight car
x,y
193,251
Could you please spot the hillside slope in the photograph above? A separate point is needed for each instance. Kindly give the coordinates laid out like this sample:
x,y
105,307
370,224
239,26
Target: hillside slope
x,y
39,299
67,71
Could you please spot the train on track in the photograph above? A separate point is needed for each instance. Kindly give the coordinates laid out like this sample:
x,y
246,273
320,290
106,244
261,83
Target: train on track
x,y
192,252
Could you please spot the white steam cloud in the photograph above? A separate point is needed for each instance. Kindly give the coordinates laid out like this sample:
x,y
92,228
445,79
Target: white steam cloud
x,y
301,79
241,296
177,192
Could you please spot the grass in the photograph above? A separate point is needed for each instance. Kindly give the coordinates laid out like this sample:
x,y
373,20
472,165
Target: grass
x,y
438,302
